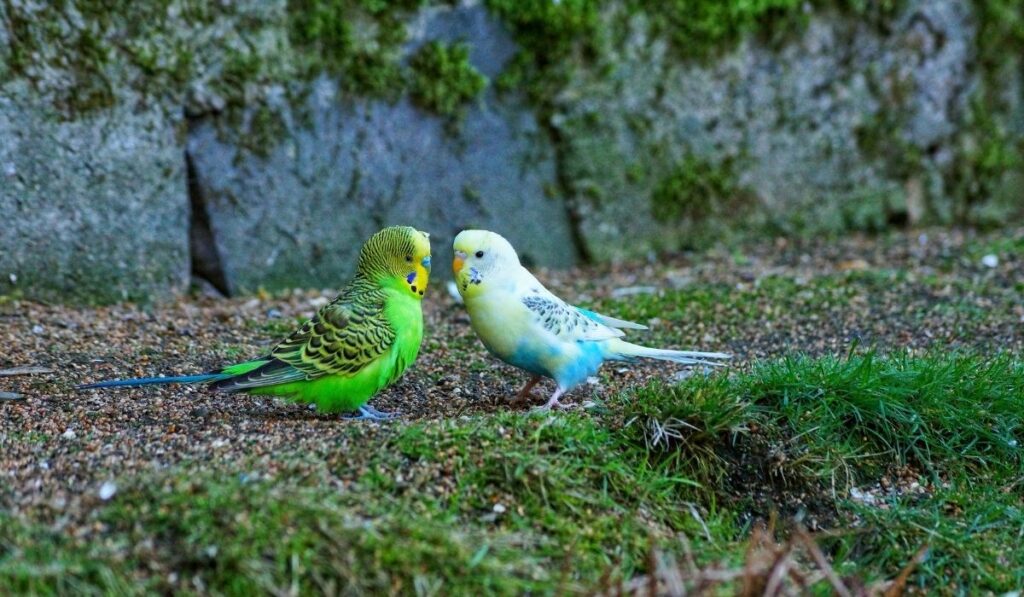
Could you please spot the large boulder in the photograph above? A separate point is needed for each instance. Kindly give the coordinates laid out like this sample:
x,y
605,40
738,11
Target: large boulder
x,y
95,209
337,169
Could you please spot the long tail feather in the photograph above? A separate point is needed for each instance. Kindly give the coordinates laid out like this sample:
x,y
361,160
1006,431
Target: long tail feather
x,y
145,381
627,350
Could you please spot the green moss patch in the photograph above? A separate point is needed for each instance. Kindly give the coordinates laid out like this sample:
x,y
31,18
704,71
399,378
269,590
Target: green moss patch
x,y
443,80
697,189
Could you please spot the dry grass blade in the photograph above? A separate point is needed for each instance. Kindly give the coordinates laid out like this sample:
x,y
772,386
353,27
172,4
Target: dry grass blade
x,y
24,371
899,584
795,567
822,562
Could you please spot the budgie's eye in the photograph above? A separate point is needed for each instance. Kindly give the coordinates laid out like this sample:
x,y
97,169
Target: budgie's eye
x,y
479,254
408,258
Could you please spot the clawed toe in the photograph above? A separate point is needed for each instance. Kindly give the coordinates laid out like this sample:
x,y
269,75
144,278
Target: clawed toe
x,y
373,411
551,405
368,413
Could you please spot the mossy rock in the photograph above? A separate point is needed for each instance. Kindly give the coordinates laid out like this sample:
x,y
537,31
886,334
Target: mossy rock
x,y
96,210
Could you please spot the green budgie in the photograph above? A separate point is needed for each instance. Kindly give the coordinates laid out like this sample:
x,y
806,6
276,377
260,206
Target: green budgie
x,y
355,346
525,325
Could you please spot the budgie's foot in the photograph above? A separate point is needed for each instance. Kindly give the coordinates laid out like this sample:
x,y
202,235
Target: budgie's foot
x,y
368,413
524,395
366,408
553,401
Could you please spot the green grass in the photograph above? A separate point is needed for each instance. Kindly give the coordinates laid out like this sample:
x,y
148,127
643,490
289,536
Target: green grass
x,y
571,502
954,413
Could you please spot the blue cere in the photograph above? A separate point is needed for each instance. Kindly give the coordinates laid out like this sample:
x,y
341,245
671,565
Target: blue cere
x,y
426,263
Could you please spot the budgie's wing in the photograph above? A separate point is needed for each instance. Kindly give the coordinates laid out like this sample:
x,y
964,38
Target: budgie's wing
x,y
565,321
341,339
611,321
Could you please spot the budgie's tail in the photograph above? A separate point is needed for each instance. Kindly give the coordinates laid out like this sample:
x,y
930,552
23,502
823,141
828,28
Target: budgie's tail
x,y
626,351
225,373
145,381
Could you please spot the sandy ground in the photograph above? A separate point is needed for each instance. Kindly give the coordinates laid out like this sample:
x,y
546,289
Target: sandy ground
x,y
59,446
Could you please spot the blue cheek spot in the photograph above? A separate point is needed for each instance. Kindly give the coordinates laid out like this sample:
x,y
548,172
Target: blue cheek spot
x,y
411,277
426,263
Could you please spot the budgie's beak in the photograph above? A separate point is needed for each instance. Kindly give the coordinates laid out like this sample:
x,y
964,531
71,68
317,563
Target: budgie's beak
x,y
458,262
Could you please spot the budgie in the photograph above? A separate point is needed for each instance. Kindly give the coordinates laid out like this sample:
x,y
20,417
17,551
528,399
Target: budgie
x,y
524,324
355,346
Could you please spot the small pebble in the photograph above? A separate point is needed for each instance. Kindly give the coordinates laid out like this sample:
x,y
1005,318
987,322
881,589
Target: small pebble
x,y
69,434
499,509
37,329
682,375
863,497
11,396
990,260
274,314
107,490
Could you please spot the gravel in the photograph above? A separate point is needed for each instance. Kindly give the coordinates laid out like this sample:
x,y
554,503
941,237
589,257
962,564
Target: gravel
x,y
61,448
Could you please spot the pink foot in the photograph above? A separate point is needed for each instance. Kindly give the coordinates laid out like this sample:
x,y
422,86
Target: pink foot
x,y
553,401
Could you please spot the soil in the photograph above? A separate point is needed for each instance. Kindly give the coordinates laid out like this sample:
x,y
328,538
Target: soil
x,y
60,446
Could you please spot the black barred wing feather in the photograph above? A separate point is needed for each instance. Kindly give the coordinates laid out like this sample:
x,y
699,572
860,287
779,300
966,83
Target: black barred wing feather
x,y
565,321
341,339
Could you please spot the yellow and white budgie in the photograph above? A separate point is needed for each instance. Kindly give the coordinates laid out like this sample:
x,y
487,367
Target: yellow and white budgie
x,y
524,324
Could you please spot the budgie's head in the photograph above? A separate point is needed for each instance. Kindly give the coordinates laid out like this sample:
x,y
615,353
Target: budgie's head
x,y
398,256
481,258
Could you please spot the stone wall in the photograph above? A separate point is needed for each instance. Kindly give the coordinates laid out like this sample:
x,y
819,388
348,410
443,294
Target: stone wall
x,y
96,208
257,144
816,134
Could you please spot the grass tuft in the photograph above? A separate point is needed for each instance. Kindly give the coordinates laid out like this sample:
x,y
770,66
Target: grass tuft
x,y
939,413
